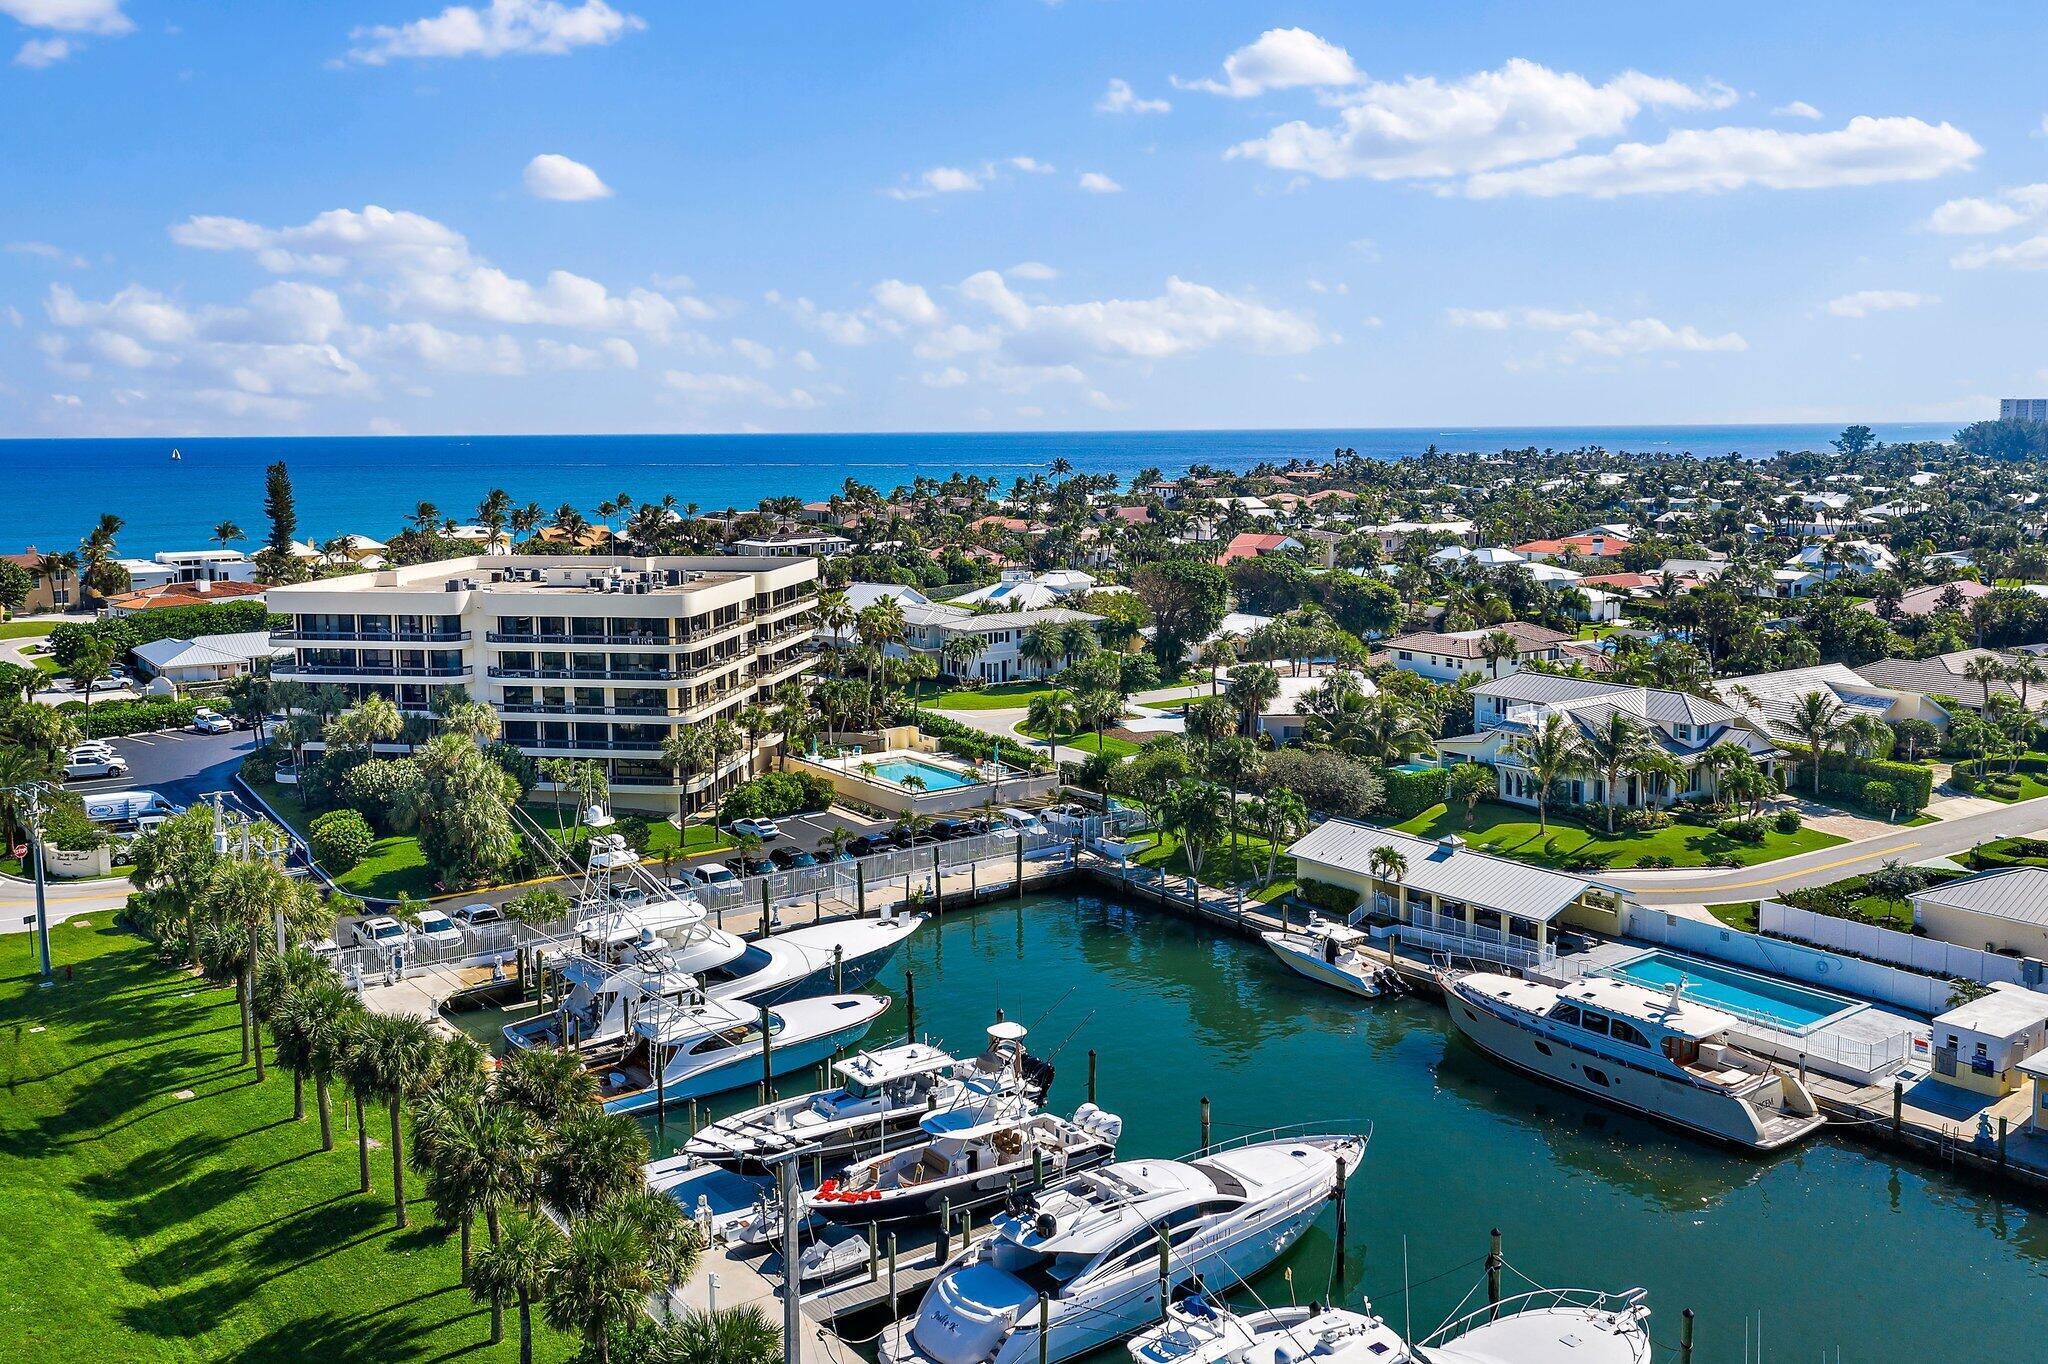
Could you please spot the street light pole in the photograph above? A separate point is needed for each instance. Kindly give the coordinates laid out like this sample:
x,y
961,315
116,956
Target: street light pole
x,y
33,792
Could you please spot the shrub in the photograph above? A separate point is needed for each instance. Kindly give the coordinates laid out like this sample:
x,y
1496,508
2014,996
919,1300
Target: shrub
x,y
122,633
1642,821
1786,821
1328,783
386,792
1741,830
340,839
1965,781
775,794
1408,794
964,741
111,718
1880,795
1332,901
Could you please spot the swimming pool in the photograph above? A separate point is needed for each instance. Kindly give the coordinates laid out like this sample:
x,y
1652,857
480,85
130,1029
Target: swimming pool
x,y
1413,767
935,778
1754,998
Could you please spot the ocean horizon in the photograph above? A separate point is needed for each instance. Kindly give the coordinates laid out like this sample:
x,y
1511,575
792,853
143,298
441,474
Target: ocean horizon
x,y
369,484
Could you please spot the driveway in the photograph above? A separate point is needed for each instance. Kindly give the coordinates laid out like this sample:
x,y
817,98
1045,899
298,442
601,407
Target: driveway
x,y
1818,868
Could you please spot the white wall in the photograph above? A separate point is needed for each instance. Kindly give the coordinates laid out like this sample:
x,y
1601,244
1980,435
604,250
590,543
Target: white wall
x,y
1946,959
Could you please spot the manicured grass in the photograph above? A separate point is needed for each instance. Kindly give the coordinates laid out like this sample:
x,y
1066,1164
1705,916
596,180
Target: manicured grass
x,y
161,1205
1742,916
1512,832
1113,746
26,629
662,836
1223,867
396,865
2031,787
1003,696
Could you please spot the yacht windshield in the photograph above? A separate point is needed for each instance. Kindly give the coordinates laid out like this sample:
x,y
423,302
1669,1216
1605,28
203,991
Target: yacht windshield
x,y
745,964
1047,1274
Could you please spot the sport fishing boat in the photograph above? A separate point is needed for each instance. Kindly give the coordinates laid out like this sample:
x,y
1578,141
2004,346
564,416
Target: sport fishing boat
x,y
1533,1328
967,1157
882,1097
1330,953
1092,1246
683,1051
1657,1054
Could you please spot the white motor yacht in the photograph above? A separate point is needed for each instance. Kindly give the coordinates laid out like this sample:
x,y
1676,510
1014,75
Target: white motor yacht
x,y
969,1156
882,1097
682,1051
1091,1246
1652,1053
1548,1326
1331,953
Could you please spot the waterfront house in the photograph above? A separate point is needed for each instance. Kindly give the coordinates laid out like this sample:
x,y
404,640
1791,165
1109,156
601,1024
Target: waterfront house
x,y
1833,559
1462,653
1022,590
1000,635
2005,910
1441,895
1683,725
1980,1045
1772,699
190,566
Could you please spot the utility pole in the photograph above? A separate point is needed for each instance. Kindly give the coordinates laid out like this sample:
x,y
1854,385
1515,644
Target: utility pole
x,y
34,792
792,1259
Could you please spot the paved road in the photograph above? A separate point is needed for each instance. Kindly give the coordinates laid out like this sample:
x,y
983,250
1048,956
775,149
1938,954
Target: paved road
x,y
67,900
1818,868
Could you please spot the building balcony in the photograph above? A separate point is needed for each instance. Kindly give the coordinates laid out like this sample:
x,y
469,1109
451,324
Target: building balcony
x,y
635,746
570,709
283,669
592,674
580,641
293,636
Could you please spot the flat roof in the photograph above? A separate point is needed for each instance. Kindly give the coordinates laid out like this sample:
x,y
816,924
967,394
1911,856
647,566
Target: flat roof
x,y
2007,1010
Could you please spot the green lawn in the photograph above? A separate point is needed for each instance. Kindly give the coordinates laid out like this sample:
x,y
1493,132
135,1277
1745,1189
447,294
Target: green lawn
x,y
662,836
1223,867
395,866
2032,787
1004,696
1742,916
26,629
1512,832
161,1205
14,866
1113,746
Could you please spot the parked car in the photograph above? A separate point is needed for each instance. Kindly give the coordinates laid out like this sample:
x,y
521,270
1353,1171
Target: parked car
x,y
477,915
1023,821
93,747
63,684
108,684
210,722
791,858
714,873
438,929
763,829
380,931
326,949
86,766
754,866
867,845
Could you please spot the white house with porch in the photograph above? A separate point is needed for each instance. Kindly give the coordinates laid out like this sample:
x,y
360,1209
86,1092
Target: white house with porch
x,y
1441,896
1682,725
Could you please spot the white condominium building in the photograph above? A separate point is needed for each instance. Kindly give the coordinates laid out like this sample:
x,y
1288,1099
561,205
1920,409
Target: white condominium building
x,y
582,656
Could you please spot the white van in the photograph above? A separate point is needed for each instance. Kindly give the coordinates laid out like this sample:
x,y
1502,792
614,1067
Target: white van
x,y
1023,821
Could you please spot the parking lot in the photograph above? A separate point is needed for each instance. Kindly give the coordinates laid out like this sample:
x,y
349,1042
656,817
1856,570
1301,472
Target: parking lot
x,y
178,765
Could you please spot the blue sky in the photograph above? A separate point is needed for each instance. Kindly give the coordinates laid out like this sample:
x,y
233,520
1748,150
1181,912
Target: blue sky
x,y
527,216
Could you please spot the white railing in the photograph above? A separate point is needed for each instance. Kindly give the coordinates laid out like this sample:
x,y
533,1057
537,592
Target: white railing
x,y
1452,936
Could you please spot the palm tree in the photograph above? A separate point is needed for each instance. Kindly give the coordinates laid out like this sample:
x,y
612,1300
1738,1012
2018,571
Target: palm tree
x,y
599,1277
226,533
246,896
1388,731
754,721
958,653
1387,863
1611,749
323,1017
594,1155
280,982
1496,648
1252,688
686,751
673,1243
518,1267
478,1155
549,1085
2022,673
400,1055
1816,721
1550,753
1052,714
731,1335
1097,710
1279,816
1044,644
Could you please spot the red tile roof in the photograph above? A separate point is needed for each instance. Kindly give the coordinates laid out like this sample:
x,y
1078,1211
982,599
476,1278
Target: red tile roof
x,y
1591,546
181,594
1250,545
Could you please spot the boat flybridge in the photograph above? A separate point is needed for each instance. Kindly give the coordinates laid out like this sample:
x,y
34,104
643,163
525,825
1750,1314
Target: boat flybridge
x,y
683,1051
1091,1245
882,1097
1652,1052
635,939
1548,1326
1332,953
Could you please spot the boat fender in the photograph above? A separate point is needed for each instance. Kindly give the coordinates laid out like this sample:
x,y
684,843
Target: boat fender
x,y
828,1188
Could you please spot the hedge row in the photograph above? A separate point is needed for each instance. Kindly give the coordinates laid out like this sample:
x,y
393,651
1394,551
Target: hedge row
x,y
111,718
1913,781
964,741
1408,794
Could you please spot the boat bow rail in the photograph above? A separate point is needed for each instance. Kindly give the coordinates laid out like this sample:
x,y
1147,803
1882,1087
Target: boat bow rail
x,y
1295,1131
1629,1304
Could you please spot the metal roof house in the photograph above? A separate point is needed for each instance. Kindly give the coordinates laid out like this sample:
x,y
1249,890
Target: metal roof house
x,y
2000,911
1441,895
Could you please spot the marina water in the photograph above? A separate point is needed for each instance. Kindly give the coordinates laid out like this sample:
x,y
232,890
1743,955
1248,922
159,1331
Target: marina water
x,y
1834,1245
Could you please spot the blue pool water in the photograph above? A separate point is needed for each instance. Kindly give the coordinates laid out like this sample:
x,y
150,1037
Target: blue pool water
x,y
1413,767
1758,999
936,778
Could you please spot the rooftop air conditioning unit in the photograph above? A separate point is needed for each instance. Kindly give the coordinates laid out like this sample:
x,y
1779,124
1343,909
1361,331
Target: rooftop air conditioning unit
x,y
451,586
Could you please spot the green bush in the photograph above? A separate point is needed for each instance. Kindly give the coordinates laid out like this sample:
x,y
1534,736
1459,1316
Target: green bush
x,y
111,718
1964,781
1331,901
340,839
1408,794
773,795
1913,783
1741,830
122,633
386,792
1786,821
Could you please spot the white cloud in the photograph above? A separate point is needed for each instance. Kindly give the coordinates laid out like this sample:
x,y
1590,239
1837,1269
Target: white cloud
x,y
1185,318
612,353
70,16
1424,127
1798,108
418,263
952,376
2028,254
941,180
1094,182
67,400
1864,302
1030,165
37,53
707,390
1119,98
504,27
1869,151
45,251
549,176
1589,334
753,352
435,348
1981,217
1279,59
906,302
1033,270
804,361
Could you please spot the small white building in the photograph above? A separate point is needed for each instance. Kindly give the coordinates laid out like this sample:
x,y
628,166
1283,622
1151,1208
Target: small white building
x,y
208,658
190,566
793,544
1980,1045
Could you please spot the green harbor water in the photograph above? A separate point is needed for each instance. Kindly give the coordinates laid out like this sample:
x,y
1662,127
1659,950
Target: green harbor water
x,y
1833,1247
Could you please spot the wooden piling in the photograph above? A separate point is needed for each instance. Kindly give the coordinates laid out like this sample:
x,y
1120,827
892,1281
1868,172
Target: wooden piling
x,y
1685,1336
838,968
909,1007
1091,1075
1020,864
1205,1122
767,1057
860,891
1343,1210
892,1273
1044,1322
1493,1263
1898,1105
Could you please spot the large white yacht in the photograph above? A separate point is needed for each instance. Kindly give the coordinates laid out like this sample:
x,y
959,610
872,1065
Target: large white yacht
x,y
684,1051
882,1097
1653,1053
1092,1246
1548,1326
